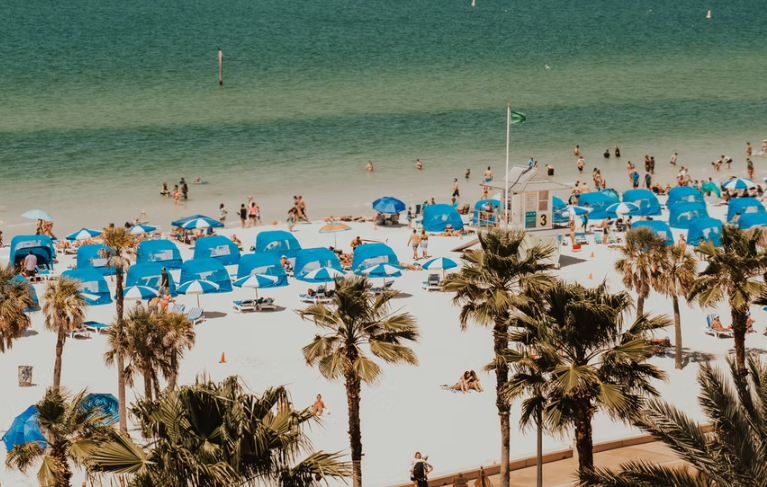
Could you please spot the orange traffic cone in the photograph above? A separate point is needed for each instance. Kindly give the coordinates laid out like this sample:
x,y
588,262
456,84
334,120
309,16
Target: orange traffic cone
x,y
592,255
375,227
223,357
590,276
275,222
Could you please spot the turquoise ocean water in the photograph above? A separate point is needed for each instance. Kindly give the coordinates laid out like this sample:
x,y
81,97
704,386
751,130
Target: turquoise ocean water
x,y
102,101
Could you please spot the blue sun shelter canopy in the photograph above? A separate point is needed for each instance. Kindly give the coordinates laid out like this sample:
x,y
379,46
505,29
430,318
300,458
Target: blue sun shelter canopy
x,y
263,263
207,269
32,293
150,275
308,260
598,202
681,214
388,205
94,256
278,242
92,284
684,194
646,201
708,228
437,217
373,254
752,220
24,429
102,404
485,212
217,247
162,252
661,229
744,206
40,245
611,193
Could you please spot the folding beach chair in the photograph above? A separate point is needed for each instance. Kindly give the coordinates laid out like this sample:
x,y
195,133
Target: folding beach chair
x,y
195,315
433,283
178,308
598,238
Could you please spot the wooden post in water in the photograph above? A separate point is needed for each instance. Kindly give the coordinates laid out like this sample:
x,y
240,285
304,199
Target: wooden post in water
x,y
220,67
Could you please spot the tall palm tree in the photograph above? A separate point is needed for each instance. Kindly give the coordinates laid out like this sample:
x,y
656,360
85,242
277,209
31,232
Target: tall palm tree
x,y
218,435
71,432
501,275
119,241
64,311
640,255
358,321
731,453
595,362
15,299
734,272
677,269
177,334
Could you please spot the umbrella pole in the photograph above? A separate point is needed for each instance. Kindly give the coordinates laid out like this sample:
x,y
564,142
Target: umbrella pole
x,y
198,300
256,293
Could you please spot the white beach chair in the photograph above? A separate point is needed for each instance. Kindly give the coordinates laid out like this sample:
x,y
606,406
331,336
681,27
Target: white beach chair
x,y
710,331
196,315
433,283
244,305
80,333
96,326
380,290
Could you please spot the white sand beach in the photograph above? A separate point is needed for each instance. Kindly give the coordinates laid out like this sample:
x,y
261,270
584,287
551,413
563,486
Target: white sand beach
x,y
407,410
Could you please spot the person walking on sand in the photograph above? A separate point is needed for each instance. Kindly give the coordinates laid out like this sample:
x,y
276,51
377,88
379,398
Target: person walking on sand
x,y
302,208
243,215
418,164
222,213
424,242
750,168
572,230
252,212
292,214
414,240
456,193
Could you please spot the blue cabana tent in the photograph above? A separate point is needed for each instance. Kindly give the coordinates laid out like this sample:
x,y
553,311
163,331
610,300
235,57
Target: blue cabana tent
x,y
32,293
660,229
744,206
611,193
598,202
24,429
681,214
752,220
265,263
481,209
437,217
105,404
646,201
308,260
93,256
150,275
92,284
210,221
708,228
370,255
684,194
163,252
40,245
278,242
207,269
217,247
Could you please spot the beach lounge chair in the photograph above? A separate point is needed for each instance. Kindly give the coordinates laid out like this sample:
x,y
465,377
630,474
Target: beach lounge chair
x,y
80,333
598,238
244,305
178,308
195,315
320,296
710,331
45,272
96,326
433,283
580,238
380,290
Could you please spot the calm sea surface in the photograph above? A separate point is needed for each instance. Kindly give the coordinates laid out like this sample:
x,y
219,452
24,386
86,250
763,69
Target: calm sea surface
x,y
102,100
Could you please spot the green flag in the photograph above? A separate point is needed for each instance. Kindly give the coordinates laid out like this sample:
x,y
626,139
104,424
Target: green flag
x,y
517,117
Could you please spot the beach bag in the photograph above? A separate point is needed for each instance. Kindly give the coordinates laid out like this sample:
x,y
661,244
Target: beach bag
x,y
418,471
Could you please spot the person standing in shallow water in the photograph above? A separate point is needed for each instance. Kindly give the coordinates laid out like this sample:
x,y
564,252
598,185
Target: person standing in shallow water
x,y
617,152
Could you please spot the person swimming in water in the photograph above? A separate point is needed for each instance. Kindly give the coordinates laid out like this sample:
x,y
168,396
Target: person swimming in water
x,y
488,175
370,166
418,164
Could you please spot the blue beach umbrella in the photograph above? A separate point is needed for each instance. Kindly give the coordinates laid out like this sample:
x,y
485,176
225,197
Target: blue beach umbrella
x,y
37,215
256,281
388,205
84,234
622,209
24,429
558,203
197,221
738,184
323,274
141,229
440,263
578,210
198,286
140,292
382,270
105,404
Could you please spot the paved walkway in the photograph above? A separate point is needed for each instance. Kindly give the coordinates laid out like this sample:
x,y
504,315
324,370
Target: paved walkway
x,y
562,472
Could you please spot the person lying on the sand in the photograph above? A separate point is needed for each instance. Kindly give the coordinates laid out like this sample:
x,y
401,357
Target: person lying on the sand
x,y
449,232
473,382
463,383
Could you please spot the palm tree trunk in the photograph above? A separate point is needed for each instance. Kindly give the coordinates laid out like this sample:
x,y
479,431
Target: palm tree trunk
x,y
62,337
500,344
353,387
739,318
583,439
147,384
119,360
640,306
62,474
156,385
677,333
539,449
173,376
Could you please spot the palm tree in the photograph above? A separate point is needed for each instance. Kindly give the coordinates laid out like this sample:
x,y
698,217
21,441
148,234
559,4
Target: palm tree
x,y
501,275
640,255
594,363
15,299
358,320
71,432
732,452
677,270
218,435
177,334
735,272
64,311
119,242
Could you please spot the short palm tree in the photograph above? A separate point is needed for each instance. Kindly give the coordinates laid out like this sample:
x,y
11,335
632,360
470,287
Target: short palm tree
x,y
64,311
638,263
734,272
177,335
71,432
502,274
119,241
677,271
731,453
595,362
15,299
357,322
218,435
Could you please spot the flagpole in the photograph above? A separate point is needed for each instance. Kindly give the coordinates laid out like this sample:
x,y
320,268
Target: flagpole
x,y
506,192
